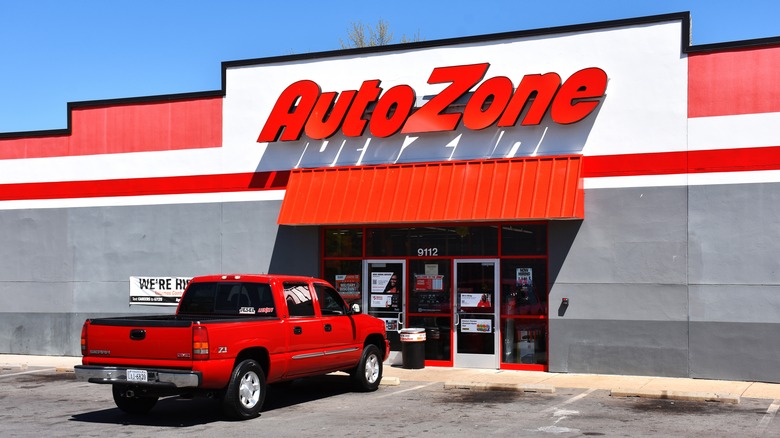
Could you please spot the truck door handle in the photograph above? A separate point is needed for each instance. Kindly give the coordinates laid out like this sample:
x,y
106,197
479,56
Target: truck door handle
x,y
137,334
328,328
297,330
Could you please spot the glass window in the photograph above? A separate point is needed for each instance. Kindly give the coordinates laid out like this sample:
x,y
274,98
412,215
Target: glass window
x,y
438,335
343,242
523,342
330,301
298,298
229,299
430,283
523,287
524,239
432,241
345,275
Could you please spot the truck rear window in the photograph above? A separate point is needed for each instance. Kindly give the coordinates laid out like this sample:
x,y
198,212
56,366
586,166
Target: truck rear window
x,y
228,298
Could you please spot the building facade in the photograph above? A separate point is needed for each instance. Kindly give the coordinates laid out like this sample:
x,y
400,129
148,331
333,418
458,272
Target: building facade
x,y
598,198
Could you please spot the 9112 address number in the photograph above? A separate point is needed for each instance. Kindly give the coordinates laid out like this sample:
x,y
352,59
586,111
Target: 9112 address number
x,y
427,252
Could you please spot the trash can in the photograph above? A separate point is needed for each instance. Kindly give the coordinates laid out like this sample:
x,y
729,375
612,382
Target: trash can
x,y
413,348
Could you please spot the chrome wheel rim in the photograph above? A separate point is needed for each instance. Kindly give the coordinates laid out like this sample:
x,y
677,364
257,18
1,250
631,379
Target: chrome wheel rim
x,y
372,369
249,390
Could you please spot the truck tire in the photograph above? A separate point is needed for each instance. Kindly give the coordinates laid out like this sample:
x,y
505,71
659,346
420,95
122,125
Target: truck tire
x,y
127,401
245,393
368,373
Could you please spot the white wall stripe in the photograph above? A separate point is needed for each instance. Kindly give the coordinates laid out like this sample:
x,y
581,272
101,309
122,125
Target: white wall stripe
x,y
734,132
618,182
121,201
693,179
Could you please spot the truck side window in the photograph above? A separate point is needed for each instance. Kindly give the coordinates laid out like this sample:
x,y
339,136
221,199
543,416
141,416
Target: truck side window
x,y
262,299
298,298
330,301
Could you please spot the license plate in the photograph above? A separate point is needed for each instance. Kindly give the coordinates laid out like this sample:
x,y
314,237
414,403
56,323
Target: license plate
x,y
137,376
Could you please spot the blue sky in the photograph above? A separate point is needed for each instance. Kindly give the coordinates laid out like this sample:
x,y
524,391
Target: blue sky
x,y
55,51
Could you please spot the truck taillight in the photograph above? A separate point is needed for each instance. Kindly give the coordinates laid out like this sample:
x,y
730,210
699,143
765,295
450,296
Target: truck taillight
x,y
84,339
200,342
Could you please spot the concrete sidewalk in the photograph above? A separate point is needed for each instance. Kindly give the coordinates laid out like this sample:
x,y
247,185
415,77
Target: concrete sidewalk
x,y
528,381
619,386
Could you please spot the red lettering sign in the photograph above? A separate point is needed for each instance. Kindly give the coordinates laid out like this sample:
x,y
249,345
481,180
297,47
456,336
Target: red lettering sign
x,y
303,107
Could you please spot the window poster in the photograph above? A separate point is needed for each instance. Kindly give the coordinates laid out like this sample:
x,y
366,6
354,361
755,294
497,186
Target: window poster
x,y
348,285
381,301
525,276
391,324
429,283
384,282
470,300
476,326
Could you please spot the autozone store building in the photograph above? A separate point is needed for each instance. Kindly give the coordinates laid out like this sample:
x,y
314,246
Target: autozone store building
x,y
599,198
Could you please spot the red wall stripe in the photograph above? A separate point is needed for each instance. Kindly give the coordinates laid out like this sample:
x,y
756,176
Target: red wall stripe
x,y
238,182
667,163
734,82
140,127
725,160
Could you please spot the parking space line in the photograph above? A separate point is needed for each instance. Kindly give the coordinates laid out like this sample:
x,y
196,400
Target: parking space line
x,y
770,414
28,372
569,401
407,390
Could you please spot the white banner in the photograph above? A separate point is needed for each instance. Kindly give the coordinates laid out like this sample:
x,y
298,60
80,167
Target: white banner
x,y
157,291
476,326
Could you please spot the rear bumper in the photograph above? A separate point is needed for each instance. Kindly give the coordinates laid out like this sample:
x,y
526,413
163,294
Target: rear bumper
x,y
162,378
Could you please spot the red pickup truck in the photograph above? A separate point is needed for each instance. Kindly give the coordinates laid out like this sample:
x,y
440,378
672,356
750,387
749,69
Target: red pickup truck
x,y
231,336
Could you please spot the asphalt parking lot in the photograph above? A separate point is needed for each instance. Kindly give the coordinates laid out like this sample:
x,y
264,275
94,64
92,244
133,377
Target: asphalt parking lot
x,y
37,400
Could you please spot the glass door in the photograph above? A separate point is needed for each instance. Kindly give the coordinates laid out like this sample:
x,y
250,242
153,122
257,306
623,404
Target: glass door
x,y
476,314
385,282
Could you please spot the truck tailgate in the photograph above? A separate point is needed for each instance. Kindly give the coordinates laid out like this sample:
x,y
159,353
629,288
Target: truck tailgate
x,y
138,338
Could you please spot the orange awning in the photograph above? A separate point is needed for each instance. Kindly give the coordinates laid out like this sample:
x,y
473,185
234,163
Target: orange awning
x,y
485,190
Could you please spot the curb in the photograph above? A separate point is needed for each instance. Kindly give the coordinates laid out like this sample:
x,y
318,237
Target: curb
x,y
390,381
14,366
678,395
518,387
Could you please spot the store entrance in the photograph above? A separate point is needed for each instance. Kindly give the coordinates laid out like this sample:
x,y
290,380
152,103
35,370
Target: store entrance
x,y
433,277
476,314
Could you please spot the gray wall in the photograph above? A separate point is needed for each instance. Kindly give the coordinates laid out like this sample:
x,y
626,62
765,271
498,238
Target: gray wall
x,y
677,281
61,266
624,273
734,280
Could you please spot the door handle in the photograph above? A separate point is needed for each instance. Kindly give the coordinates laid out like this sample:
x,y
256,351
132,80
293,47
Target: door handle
x,y
457,320
137,334
328,328
297,330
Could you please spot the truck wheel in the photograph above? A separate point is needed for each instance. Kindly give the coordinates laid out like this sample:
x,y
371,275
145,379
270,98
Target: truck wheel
x,y
368,373
128,402
246,391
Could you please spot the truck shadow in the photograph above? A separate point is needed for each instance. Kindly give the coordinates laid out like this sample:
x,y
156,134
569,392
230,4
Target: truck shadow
x,y
187,412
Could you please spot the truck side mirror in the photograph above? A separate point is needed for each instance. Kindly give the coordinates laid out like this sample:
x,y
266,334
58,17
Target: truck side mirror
x,y
356,308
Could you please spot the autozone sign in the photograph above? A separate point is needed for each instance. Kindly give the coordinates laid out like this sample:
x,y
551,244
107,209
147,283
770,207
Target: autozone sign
x,y
303,107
